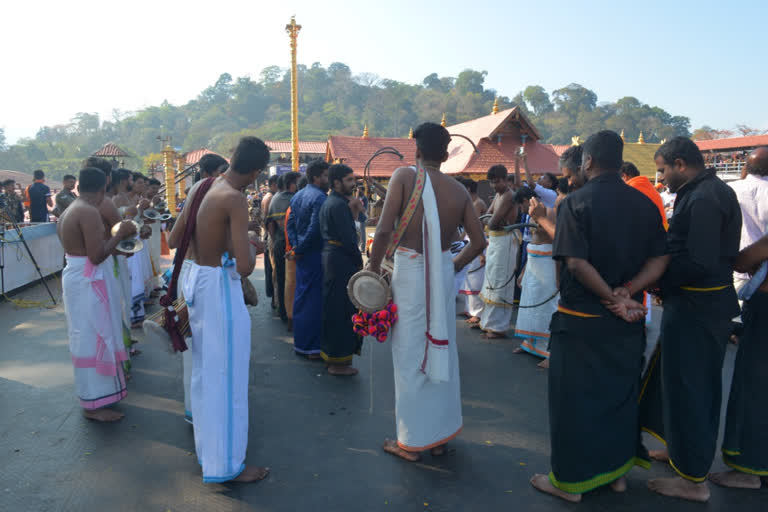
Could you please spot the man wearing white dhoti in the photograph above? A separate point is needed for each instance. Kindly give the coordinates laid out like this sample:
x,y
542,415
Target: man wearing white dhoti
x,y
498,293
90,290
221,327
430,206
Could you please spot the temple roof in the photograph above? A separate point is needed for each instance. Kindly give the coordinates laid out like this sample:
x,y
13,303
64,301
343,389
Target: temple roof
x,y
356,151
193,157
284,146
110,149
734,143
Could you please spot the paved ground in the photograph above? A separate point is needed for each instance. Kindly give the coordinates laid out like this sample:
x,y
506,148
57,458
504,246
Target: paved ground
x,y
320,435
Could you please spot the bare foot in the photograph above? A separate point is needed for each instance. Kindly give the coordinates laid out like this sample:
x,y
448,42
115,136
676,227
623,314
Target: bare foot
x,y
105,415
619,485
542,483
475,326
490,335
659,455
518,350
342,370
252,474
736,479
473,320
438,451
392,447
679,487
544,364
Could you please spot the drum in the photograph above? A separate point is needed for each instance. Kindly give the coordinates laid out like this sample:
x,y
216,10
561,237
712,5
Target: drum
x,y
371,292
154,325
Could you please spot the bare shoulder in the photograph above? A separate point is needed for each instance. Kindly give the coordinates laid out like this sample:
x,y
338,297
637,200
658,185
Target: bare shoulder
x,y
403,174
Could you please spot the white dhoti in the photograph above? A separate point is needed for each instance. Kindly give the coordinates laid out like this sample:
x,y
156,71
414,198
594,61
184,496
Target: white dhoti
x,y
427,384
221,329
154,255
186,356
124,276
146,268
472,286
498,292
138,293
94,330
539,290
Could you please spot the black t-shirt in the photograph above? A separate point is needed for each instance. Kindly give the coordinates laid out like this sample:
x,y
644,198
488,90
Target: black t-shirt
x,y
38,208
615,228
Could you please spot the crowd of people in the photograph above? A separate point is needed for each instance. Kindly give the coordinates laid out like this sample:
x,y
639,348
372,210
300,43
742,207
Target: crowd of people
x,y
35,203
576,257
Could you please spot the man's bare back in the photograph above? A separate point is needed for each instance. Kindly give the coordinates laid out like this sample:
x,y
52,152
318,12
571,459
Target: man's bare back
x,y
480,207
70,227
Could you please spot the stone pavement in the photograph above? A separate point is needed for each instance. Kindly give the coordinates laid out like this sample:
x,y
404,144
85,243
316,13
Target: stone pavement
x,y
320,435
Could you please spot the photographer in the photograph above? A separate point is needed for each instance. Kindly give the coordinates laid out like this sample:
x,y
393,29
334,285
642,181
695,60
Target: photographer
x,y
10,203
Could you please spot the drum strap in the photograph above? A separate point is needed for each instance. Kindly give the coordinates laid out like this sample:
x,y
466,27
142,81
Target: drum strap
x,y
410,209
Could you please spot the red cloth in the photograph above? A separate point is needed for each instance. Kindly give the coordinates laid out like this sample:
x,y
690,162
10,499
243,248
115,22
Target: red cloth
x,y
645,186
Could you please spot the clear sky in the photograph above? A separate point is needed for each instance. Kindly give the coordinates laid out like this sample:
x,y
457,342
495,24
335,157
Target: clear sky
x,y
704,59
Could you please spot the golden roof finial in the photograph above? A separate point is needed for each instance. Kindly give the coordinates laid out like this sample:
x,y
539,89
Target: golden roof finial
x,y
622,135
365,131
495,109
442,121
575,140
410,134
640,139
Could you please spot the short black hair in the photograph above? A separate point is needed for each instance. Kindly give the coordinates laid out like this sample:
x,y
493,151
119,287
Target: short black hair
x,y
8,182
552,179
155,182
496,171
138,176
606,149
210,162
251,154
571,158
92,179
629,169
120,175
273,180
302,182
280,182
471,185
337,172
562,185
289,179
315,169
432,140
99,163
681,148
69,177
38,174
524,193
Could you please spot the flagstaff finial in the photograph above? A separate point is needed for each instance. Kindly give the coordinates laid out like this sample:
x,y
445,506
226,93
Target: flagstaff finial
x,y
640,139
495,109
410,134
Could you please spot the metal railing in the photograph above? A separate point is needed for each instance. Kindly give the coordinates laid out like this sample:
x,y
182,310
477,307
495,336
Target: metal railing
x,y
728,171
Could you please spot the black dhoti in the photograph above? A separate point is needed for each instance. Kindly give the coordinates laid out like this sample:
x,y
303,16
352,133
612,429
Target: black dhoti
x,y
339,341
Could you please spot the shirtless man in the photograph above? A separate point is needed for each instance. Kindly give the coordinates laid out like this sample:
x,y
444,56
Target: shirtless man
x,y
85,240
269,280
501,258
469,291
427,409
221,325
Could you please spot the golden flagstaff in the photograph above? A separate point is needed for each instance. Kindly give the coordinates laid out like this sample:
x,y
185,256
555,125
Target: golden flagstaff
x,y
293,32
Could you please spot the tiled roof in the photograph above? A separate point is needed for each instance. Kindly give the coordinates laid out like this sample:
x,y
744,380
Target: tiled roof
x,y
559,149
356,151
284,146
193,157
541,158
733,143
25,179
110,149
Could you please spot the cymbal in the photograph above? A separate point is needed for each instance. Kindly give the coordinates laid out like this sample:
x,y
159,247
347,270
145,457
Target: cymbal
x,y
114,229
130,246
165,216
162,205
151,214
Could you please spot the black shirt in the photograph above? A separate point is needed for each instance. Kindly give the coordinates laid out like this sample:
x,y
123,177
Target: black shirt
x,y
38,208
615,228
704,235
338,227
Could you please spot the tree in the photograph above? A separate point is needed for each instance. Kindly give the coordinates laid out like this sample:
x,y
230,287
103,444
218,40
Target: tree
x,y
745,130
573,98
470,81
537,99
3,146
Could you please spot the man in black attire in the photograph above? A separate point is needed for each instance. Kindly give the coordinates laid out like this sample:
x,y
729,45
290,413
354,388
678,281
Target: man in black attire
x,y
39,198
682,400
610,244
341,259
275,222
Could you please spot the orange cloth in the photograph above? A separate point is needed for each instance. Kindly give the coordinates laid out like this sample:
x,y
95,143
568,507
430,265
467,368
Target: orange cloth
x,y
288,247
645,186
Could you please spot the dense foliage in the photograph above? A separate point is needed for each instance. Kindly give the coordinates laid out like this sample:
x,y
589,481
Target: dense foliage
x,y
332,101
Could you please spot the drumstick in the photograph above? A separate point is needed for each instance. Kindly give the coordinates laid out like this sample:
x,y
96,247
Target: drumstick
x,y
370,409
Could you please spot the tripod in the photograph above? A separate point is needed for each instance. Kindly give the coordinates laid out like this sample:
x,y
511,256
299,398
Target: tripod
x,y
11,217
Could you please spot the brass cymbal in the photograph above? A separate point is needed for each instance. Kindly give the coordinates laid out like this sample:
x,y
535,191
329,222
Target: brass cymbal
x,y
130,246
151,214
114,229
166,216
